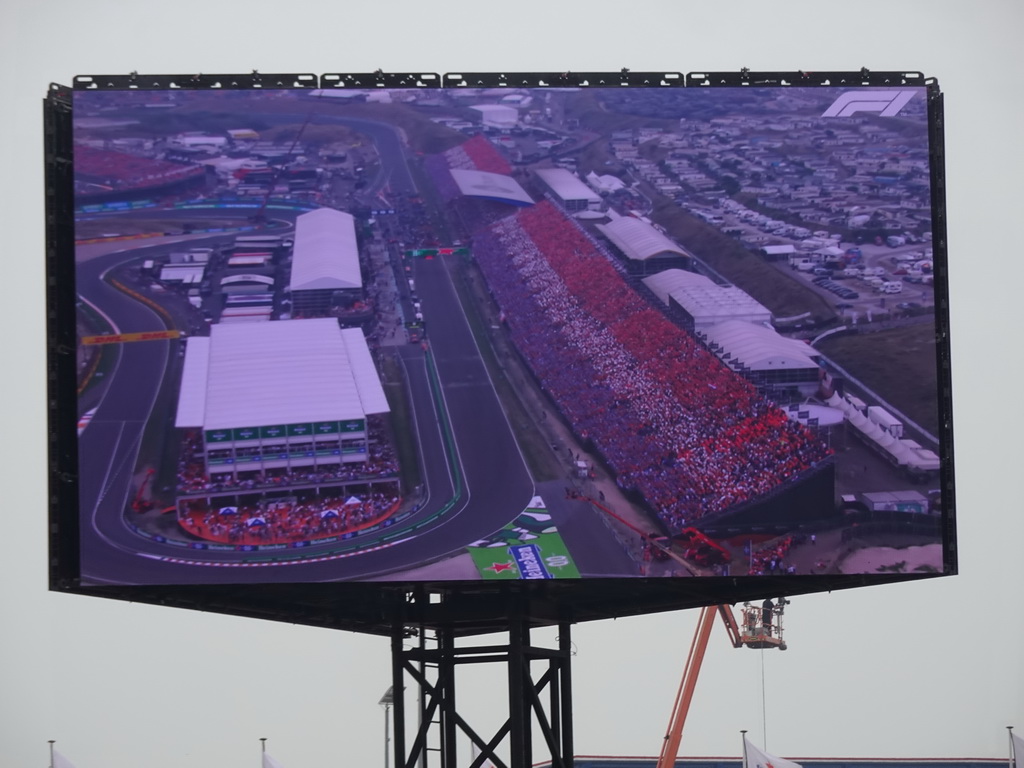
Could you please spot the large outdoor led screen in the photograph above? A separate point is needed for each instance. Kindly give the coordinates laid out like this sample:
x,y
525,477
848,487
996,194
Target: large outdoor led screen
x,y
464,334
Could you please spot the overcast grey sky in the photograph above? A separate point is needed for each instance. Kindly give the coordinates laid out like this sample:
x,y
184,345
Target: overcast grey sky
x,y
927,669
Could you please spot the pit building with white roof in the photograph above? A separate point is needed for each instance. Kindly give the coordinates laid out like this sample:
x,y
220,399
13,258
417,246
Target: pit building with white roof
x,y
273,398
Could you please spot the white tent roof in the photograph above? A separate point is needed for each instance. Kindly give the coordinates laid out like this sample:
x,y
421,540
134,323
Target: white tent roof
x,y
858,419
923,458
325,255
706,302
605,183
567,185
490,185
497,115
638,239
284,372
872,430
760,348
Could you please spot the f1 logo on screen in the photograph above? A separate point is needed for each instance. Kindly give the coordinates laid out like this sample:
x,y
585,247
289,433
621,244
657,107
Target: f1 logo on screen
x,y
886,103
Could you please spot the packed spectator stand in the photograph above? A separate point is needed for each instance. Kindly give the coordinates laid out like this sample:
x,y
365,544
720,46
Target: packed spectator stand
x,y
192,478
212,510
479,154
673,422
285,521
120,171
476,154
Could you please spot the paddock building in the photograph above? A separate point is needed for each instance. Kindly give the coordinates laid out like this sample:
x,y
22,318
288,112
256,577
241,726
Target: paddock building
x,y
325,263
272,399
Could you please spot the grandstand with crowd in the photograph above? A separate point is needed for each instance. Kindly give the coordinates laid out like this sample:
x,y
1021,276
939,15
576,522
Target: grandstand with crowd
x,y
683,432
284,434
102,174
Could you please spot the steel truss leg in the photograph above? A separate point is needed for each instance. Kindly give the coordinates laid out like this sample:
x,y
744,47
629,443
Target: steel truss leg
x,y
431,671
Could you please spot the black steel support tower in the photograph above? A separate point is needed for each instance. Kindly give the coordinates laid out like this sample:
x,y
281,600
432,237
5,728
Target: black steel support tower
x,y
539,699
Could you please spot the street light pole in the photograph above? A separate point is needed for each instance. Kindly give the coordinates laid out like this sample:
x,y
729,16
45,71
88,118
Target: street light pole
x,y
386,701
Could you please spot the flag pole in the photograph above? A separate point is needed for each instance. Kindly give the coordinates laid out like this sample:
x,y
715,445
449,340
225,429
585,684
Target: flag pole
x,y
263,750
1013,752
744,735
50,742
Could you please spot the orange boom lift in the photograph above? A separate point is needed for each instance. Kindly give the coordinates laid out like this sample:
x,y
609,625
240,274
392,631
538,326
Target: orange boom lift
x,y
761,628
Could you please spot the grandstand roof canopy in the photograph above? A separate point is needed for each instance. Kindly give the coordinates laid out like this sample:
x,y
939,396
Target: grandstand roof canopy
x,y
759,348
492,186
325,255
567,185
240,279
283,372
638,239
706,302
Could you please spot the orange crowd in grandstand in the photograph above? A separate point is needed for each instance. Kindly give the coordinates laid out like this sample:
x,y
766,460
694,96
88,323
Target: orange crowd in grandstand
x,y
478,154
285,521
689,434
122,171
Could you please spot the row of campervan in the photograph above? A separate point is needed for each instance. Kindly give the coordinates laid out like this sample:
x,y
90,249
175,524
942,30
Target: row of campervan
x,y
874,277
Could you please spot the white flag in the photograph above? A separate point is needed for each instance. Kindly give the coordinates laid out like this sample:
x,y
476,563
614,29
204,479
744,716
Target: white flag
x,y
269,762
59,761
1018,750
755,758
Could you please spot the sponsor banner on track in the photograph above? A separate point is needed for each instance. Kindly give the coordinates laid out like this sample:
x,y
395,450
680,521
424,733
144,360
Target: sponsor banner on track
x,y
123,337
91,240
528,560
529,547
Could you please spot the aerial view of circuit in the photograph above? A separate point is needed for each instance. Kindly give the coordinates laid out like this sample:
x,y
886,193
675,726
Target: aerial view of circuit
x,y
472,334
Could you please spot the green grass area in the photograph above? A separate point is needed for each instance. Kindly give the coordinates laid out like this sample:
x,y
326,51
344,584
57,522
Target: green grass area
x,y
402,429
898,363
586,107
782,294
316,134
124,225
422,133
510,379
210,115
